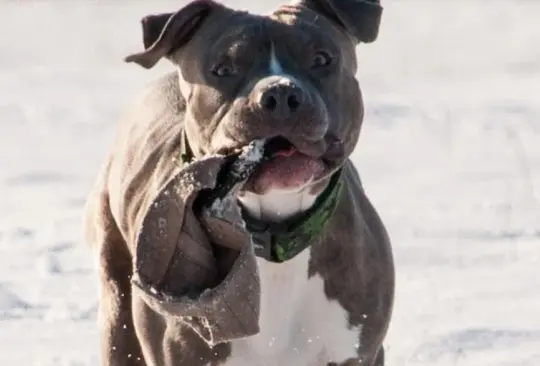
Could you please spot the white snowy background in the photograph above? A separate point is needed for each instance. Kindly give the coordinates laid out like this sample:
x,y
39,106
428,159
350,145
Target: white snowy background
x,y
449,154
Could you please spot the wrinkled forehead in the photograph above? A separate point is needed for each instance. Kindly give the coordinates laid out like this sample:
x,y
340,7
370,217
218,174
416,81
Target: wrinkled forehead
x,y
282,32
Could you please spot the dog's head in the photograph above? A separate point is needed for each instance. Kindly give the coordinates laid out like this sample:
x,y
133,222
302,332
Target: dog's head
x,y
288,77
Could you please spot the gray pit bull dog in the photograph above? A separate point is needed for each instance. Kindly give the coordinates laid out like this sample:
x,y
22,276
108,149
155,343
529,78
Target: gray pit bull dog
x,y
228,224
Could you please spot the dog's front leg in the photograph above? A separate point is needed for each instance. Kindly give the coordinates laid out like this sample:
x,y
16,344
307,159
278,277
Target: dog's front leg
x,y
118,341
379,360
376,360
119,344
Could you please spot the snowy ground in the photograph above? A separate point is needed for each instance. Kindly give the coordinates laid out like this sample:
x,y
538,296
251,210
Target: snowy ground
x,y
450,155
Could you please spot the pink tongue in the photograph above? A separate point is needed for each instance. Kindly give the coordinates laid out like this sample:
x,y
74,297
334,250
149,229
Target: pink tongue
x,y
288,169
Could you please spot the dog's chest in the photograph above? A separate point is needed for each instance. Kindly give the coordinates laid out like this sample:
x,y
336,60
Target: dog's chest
x,y
298,325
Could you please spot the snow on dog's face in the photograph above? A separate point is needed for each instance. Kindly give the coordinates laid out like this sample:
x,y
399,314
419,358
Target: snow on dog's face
x,y
288,78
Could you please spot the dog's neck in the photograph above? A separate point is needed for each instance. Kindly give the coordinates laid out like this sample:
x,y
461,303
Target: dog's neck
x,y
294,227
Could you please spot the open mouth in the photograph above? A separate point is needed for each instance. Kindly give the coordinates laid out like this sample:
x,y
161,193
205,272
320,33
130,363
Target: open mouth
x,y
278,146
285,167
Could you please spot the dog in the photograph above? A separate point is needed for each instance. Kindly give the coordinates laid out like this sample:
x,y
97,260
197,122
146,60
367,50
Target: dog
x,y
287,79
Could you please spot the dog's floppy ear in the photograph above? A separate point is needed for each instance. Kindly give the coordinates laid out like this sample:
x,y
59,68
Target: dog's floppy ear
x,y
360,18
166,32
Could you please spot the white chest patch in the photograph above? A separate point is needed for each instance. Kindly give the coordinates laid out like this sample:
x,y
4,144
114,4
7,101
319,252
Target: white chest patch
x,y
299,325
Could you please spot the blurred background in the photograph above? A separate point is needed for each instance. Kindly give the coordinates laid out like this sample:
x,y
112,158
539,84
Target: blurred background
x,y
449,154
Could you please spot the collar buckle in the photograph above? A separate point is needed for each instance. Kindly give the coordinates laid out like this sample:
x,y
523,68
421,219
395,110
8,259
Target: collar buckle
x,y
262,244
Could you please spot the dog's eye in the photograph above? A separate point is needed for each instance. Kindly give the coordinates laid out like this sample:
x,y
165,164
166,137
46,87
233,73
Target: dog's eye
x,y
223,70
321,59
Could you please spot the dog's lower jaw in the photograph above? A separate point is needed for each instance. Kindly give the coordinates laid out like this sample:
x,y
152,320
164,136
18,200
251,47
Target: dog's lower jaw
x,y
277,205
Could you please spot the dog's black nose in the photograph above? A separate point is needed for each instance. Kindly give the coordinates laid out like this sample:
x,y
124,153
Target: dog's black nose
x,y
281,99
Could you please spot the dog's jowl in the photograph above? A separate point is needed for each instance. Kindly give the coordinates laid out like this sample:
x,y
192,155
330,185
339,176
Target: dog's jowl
x,y
229,225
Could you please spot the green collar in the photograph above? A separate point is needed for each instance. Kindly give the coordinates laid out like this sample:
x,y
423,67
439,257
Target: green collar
x,y
283,241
